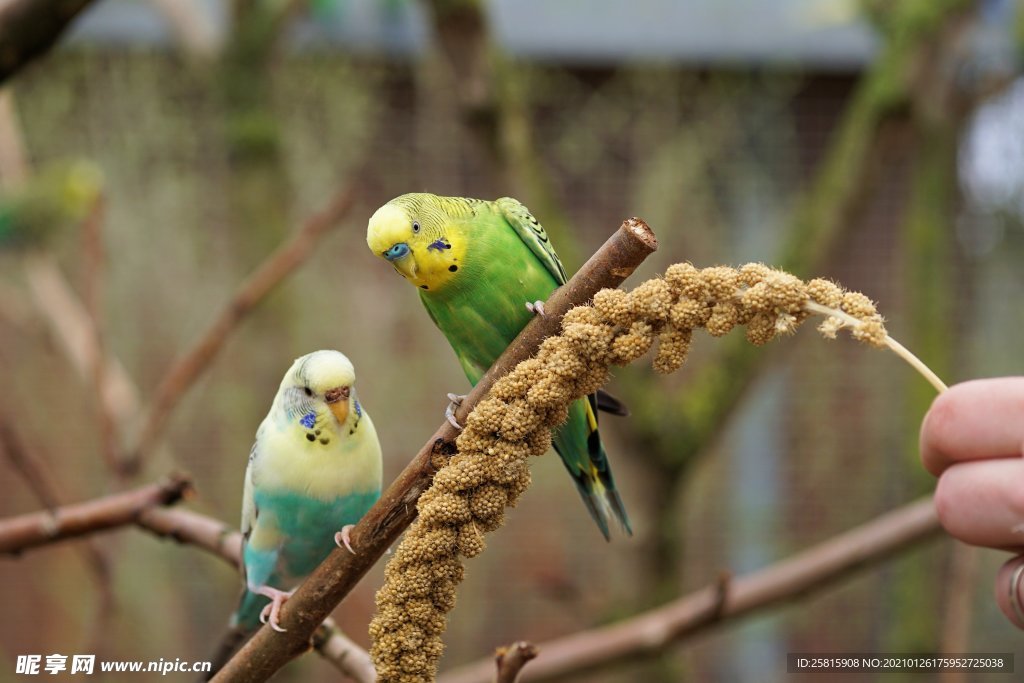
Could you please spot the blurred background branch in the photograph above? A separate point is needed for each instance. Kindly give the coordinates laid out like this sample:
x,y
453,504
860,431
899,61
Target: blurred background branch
x,y
795,578
29,28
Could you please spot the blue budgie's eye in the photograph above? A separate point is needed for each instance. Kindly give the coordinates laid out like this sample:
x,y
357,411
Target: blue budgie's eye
x,y
396,251
415,226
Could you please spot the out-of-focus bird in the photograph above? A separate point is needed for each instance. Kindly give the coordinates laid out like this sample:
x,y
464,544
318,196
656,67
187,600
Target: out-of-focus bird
x,y
483,270
57,197
313,472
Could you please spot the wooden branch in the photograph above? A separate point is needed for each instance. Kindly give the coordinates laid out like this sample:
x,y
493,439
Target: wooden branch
x,y
192,528
181,376
93,280
268,651
71,324
29,28
23,532
44,486
794,578
225,542
38,477
343,653
511,659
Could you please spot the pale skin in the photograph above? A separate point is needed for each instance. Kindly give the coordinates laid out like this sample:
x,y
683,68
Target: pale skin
x,y
972,439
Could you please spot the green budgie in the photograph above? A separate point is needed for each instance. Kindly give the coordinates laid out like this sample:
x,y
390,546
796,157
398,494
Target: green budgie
x,y
314,471
482,269
61,195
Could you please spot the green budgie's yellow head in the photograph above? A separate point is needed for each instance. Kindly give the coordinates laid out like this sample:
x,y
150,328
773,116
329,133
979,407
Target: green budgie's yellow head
x,y
317,385
416,234
79,187
57,198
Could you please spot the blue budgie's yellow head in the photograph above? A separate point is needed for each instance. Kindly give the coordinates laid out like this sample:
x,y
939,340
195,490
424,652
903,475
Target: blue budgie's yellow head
x,y
418,234
317,388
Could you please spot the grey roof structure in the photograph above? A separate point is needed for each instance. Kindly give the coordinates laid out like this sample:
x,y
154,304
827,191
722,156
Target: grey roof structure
x,y
822,32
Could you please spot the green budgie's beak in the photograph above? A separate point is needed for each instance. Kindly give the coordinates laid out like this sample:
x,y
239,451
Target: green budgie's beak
x,y
400,257
397,251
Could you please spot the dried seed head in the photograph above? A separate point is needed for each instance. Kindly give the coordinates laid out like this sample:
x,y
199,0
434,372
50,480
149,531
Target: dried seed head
x,y
475,487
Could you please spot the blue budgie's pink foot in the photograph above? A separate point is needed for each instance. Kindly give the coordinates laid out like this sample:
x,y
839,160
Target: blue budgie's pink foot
x,y
537,308
343,538
272,612
455,400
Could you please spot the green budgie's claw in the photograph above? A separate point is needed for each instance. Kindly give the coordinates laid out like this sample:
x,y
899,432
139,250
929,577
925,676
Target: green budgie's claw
x,y
454,401
537,308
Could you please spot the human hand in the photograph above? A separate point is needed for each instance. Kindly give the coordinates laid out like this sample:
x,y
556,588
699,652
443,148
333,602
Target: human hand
x,y
973,439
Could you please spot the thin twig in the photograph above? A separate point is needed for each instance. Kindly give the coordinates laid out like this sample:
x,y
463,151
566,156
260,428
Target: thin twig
x,y
268,651
183,374
797,577
43,484
72,326
895,346
510,660
24,532
93,281
344,653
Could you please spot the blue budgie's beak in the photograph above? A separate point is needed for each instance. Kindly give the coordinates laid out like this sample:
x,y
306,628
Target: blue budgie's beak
x,y
397,251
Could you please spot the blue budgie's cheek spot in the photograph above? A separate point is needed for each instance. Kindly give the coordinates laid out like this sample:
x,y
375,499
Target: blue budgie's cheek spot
x,y
359,409
308,420
439,244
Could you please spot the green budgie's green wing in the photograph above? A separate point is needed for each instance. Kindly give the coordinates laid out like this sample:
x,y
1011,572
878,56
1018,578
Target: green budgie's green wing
x,y
577,441
533,235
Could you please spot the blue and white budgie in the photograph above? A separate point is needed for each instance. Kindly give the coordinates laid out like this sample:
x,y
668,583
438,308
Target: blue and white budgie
x,y
313,472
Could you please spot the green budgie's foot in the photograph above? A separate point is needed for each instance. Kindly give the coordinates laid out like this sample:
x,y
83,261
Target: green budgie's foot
x,y
343,539
537,308
272,612
455,400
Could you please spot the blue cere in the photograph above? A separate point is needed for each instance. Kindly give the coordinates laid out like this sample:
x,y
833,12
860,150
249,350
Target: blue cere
x,y
396,251
308,420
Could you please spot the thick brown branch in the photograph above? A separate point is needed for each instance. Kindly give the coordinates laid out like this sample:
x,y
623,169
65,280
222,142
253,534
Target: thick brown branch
x,y
511,659
22,532
341,571
799,576
225,542
28,28
191,365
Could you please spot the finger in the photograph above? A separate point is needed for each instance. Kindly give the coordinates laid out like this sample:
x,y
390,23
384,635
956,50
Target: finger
x,y
1008,581
982,503
978,419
